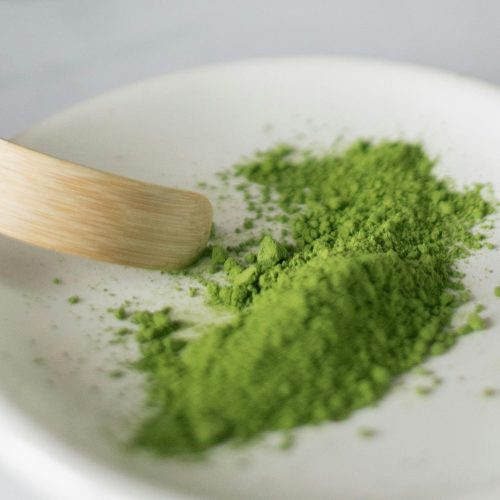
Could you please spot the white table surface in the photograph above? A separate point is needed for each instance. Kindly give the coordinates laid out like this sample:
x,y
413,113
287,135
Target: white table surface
x,y
54,53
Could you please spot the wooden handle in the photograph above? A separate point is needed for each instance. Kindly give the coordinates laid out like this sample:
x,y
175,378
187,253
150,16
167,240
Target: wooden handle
x,y
62,206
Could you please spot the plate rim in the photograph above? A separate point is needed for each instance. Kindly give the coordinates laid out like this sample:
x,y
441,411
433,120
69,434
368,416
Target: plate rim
x,y
37,448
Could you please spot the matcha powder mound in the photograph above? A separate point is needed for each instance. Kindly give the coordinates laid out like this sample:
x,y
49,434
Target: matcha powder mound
x,y
364,290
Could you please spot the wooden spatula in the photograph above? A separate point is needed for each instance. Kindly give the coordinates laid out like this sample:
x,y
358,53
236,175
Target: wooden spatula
x,y
62,206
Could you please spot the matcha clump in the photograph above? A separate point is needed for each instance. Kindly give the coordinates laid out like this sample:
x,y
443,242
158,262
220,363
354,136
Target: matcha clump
x,y
74,299
476,322
247,282
364,292
154,326
219,255
270,252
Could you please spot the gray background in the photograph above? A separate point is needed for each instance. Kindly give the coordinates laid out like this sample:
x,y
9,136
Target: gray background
x,y
54,53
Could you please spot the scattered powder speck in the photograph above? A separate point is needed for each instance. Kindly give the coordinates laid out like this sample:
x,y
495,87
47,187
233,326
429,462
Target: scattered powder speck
x,y
120,312
423,371
366,432
488,392
424,390
476,322
122,332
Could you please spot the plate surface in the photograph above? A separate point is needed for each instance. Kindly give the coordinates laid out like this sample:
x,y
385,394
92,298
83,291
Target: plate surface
x,y
62,416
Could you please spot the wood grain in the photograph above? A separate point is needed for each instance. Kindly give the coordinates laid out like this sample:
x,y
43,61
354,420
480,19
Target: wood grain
x,y
62,206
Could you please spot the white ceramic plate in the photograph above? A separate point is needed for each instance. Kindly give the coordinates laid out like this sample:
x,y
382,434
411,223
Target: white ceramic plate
x,y
62,416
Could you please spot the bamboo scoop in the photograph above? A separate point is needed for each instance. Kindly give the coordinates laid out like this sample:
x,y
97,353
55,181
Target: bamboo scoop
x,y
62,206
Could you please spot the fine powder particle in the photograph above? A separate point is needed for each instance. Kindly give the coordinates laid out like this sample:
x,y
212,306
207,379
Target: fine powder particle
x,y
363,291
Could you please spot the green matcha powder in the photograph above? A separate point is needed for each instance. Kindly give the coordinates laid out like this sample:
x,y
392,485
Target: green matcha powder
x,y
361,290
